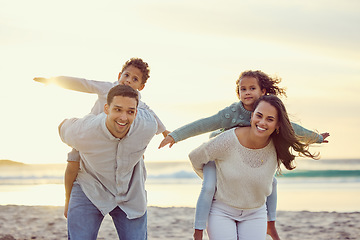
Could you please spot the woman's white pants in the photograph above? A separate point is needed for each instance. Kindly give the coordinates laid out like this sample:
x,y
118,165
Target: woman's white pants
x,y
228,223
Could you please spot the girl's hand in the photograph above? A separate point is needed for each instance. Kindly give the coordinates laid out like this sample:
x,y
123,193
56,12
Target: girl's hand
x,y
325,135
167,140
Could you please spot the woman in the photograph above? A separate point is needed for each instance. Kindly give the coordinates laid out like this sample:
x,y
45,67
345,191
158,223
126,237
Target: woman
x,y
246,159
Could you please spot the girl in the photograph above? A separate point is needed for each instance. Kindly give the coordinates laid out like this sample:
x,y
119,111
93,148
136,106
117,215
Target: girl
x,y
250,156
249,87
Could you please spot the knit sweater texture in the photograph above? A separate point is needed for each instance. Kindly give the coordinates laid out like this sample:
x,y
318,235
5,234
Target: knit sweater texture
x,y
244,176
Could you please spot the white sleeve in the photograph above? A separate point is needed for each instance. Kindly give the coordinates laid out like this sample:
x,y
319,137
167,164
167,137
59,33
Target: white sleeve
x,y
75,131
66,130
82,85
161,127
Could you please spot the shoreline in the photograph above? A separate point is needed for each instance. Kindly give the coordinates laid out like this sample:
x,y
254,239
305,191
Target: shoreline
x,y
47,222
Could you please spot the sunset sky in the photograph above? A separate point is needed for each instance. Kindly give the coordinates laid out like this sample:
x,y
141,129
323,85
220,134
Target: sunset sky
x,y
196,51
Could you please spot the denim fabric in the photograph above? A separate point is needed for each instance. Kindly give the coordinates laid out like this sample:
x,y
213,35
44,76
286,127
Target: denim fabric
x,y
206,196
271,202
84,220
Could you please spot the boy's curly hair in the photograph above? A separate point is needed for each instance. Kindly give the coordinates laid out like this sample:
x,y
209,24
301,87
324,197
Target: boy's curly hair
x,y
140,64
265,82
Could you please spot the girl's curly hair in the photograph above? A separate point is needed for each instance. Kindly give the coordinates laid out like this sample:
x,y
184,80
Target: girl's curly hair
x,y
265,82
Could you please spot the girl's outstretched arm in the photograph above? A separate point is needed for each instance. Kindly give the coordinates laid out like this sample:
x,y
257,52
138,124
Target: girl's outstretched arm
x,y
232,116
308,135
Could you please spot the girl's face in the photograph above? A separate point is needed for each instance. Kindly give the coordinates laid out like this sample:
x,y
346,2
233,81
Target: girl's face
x,y
264,119
249,92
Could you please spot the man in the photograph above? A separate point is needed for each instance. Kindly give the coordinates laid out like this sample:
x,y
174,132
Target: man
x,y
112,170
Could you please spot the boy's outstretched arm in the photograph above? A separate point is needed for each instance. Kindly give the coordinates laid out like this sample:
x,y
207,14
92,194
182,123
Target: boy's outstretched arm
x,y
71,172
42,80
77,84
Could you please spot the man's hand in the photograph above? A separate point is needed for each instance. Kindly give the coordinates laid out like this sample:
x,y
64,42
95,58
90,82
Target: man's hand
x,y
325,135
167,140
66,208
42,80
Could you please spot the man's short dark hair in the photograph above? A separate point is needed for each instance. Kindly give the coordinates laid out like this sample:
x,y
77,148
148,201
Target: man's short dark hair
x,y
124,91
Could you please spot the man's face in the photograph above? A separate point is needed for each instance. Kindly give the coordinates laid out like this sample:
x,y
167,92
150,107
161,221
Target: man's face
x,y
120,115
131,76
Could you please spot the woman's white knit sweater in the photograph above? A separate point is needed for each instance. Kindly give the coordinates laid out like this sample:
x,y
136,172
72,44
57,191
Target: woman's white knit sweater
x,y
244,175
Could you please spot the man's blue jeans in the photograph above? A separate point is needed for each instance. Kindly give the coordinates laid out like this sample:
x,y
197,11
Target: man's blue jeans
x,y
84,220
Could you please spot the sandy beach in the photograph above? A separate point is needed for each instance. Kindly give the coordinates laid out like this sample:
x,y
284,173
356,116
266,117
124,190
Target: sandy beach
x,y
47,222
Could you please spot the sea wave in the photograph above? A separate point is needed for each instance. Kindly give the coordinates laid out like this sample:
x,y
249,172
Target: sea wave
x,y
322,174
288,174
176,175
31,180
348,175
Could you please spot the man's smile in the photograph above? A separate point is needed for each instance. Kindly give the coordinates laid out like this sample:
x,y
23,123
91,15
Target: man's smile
x,y
121,124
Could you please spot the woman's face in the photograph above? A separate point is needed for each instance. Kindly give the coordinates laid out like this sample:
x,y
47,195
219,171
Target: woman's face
x,y
264,120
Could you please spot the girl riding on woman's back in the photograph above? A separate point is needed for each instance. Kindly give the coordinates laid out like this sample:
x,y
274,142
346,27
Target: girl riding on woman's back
x,y
250,86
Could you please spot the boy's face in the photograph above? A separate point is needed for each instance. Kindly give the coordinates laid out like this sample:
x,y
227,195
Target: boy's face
x,y
250,91
120,115
131,76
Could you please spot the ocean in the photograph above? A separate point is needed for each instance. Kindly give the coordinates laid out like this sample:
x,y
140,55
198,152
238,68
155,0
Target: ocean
x,y
315,185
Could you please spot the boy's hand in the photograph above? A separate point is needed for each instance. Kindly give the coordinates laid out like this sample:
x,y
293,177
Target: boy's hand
x,y
165,133
325,135
167,140
42,80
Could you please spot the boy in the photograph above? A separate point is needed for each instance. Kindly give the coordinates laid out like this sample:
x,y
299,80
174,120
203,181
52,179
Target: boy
x,y
134,73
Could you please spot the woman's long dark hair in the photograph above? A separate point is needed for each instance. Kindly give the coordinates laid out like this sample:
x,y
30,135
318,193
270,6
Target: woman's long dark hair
x,y
285,140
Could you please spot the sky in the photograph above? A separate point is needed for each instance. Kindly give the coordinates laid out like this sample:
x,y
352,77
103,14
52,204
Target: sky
x,y
196,51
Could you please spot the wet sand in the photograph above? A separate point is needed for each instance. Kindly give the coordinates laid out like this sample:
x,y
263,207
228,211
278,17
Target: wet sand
x,y
47,222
